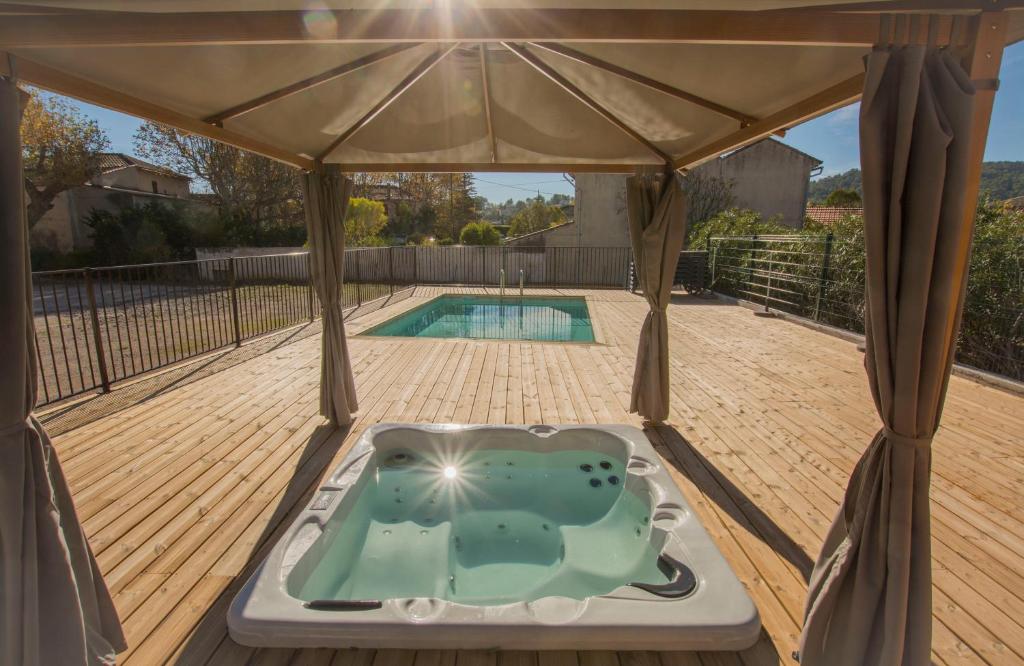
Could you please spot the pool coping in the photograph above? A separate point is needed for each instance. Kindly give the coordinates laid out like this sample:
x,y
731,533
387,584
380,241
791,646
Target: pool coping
x,y
595,326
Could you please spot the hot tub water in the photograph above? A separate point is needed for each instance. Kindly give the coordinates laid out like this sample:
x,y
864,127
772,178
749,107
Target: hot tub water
x,y
493,526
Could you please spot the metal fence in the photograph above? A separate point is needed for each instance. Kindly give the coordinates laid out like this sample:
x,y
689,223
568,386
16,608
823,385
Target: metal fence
x,y
97,326
482,265
822,278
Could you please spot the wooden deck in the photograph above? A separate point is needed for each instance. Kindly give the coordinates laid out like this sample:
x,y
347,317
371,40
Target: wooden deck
x,y
183,494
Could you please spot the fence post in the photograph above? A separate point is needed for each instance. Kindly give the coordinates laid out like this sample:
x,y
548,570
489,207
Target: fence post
x,y
359,293
391,271
234,302
712,257
309,284
823,278
96,337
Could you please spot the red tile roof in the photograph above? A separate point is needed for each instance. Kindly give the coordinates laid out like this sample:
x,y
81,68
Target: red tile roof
x,y
831,215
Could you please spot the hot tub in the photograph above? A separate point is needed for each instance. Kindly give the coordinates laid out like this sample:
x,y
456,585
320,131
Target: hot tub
x,y
509,537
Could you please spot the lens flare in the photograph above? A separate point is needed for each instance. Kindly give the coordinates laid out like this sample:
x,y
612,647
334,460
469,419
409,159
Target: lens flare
x,y
319,21
450,472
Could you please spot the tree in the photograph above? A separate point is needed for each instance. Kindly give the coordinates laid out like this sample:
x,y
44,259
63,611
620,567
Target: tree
x,y
403,223
460,207
364,221
60,150
479,233
536,216
244,186
843,198
706,196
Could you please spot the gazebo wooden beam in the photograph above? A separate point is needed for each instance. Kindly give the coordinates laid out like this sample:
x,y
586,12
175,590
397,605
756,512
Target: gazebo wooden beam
x,y
306,84
444,25
415,75
518,167
570,88
645,81
59,82
487,103
827,100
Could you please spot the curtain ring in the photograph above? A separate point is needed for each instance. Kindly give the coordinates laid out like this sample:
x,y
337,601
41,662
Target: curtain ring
x,y
956,31
885,31
915,29
933,31
900,36
12,68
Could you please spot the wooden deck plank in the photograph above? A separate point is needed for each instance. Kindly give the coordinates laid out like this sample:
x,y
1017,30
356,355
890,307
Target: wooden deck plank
x,y
182,494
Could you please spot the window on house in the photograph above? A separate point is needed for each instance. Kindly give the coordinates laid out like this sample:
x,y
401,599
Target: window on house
x,y
155,189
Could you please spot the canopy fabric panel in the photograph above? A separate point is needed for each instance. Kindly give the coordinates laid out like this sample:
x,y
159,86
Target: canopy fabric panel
x,y
441,117
299,5
391,86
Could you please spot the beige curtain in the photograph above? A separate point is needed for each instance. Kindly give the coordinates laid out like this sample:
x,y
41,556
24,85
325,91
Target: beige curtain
x,y
870,593
326,193
54,606
656,209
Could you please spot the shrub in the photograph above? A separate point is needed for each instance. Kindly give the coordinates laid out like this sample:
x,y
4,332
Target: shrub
x,y
479,233
732,222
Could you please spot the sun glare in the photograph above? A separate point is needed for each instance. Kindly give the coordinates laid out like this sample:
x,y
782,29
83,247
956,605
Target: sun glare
x,y
450,472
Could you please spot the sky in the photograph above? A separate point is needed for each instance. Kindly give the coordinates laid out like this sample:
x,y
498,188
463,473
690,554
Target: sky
x,y
832,138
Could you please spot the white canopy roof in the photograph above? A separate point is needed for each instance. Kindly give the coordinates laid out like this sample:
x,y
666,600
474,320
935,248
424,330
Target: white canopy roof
x,y
484,85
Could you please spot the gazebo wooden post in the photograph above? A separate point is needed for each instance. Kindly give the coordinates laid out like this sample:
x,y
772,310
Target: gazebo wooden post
x,y
986,39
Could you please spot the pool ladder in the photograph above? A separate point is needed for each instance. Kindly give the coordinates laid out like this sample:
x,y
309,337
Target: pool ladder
x,y
501,282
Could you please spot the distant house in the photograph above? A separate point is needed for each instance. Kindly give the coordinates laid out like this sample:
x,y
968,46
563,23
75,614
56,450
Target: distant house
x,y
123,181
829,215
768,177
392,196
599,209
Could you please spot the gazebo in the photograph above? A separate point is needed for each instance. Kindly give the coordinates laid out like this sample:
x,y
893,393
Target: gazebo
x,y
651,89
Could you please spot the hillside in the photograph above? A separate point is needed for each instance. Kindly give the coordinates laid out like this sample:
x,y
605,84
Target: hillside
x,y
1002,180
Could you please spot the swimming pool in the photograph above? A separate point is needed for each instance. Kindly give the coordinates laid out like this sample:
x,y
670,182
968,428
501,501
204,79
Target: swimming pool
x,y
516,537
541,318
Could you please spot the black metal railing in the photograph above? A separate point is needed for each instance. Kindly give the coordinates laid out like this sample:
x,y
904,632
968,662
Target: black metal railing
x,y
98,326
822,278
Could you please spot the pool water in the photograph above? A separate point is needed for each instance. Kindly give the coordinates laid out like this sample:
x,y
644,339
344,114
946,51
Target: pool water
x,y
494,527
562,319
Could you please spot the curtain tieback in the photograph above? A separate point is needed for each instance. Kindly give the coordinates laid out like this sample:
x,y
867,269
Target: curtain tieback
x,y
15,428
913,442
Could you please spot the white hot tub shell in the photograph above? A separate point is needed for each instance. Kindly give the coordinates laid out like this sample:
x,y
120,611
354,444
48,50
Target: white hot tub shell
x,y
716,614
